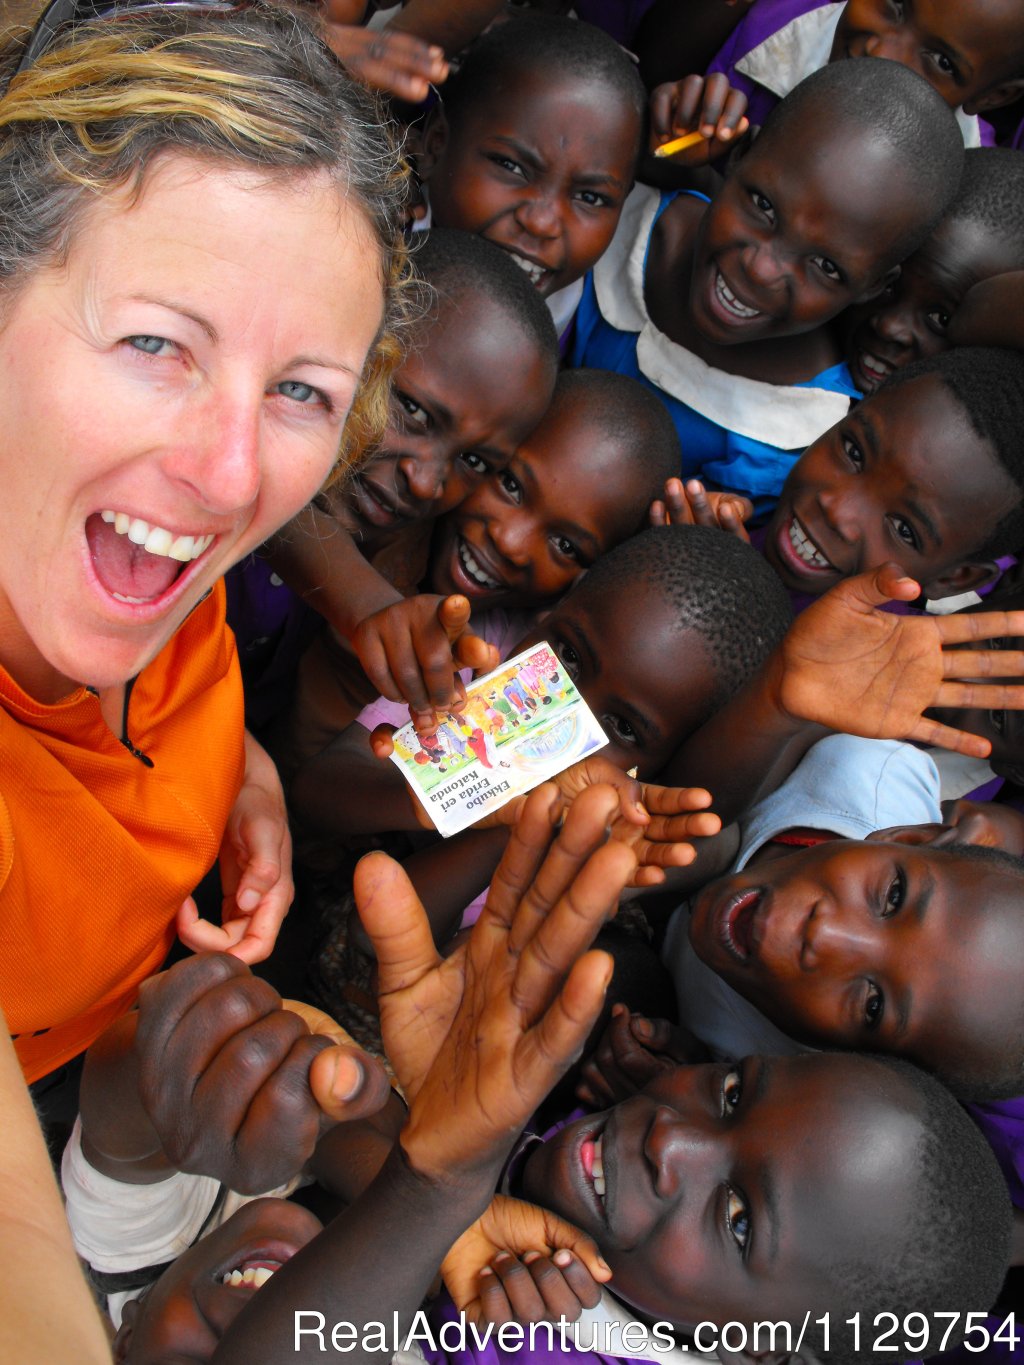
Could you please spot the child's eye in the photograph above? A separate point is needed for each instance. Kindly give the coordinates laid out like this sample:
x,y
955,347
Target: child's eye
x,y
593,200
943,65
853,452
939,320
829,268
763,205
570,659
621,728
413,413
150,345
566,547
895,895
874,1007
905,532
737,1217
507,164
896,10
732,1089
476,464
511,485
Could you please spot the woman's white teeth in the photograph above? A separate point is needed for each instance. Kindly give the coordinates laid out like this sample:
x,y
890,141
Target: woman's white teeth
x,y
155,540
530,268
805,547
256,1277
473,570
597,1169
730,302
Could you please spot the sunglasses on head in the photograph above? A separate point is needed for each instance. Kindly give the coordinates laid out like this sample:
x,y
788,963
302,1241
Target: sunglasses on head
x,y
60,13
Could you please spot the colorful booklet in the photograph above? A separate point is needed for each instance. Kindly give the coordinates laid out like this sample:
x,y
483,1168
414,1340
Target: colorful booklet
x,y
521,724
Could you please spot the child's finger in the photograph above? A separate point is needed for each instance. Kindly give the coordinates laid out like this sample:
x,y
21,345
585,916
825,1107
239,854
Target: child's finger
x,y
887,583
963,627
702,513
732,122
677,504
657,515
578,1278
985,663
347,1083
941,736
715,95
494,1303
583,833
524,1296
381,741
970,696
689,93
393,916
527,845
559,1037
556,1281
671,801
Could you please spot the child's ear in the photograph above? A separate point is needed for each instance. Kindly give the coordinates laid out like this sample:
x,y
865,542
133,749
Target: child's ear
x,y
966,577
996,96
914,835
122,1343
880,285
434,140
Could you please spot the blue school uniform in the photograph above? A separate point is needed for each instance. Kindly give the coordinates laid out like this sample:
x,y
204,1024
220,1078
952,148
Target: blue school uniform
x,y
737,434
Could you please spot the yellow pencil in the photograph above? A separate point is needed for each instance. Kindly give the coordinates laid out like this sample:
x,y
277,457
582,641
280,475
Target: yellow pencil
x,y
679,144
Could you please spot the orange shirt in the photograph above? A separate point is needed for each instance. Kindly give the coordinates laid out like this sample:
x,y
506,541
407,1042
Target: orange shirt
x,y
97,849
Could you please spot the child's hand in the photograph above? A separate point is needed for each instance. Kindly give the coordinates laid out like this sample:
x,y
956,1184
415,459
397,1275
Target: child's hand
x,y
848,666
565,1267
656,822
510,1009
704,104
692,505
226,1075
411,652
255,869
397,63
633,1050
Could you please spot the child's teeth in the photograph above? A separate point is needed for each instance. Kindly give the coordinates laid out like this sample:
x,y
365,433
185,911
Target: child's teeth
x,y
599,1185
261,1275
597,1168
474,570
254,1277
806,548
732,303
154,539
529,267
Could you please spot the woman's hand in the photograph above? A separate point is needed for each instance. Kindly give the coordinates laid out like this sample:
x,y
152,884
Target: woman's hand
x,y
255,869
565,1269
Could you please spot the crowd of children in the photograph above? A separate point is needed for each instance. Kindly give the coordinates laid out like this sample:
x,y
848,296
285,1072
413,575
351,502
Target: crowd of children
x,y
739,432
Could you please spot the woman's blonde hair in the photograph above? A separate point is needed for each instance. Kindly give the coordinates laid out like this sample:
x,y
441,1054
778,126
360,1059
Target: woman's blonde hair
x,y
255,88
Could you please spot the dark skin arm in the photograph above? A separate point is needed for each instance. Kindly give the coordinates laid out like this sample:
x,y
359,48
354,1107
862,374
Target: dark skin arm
x,y
675,38
476,1040
844,665
450,874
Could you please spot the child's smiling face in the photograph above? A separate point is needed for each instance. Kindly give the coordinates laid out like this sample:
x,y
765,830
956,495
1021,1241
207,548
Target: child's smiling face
x,y
541,170
910,321
903,478
525,535
719,1199
971,54
804,226
470,389
852,944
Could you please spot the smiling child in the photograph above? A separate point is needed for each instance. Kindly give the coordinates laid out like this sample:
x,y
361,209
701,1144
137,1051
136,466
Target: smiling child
x,y
981,236
724,308
535,146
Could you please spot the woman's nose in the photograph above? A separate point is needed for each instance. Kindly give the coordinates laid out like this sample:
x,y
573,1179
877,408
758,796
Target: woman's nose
x,y
222,462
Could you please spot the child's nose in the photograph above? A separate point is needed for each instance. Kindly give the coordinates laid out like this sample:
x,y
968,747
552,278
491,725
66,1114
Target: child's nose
x,y
683,1151
834,938
425,474
840,511
512,536
892,45
763,264
538,215
894,325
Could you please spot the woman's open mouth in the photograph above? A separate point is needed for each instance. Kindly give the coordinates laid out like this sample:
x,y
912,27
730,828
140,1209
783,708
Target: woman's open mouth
x,y
137,562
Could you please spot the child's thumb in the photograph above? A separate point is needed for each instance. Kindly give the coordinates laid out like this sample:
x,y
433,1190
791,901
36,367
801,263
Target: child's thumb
x,y
347,1083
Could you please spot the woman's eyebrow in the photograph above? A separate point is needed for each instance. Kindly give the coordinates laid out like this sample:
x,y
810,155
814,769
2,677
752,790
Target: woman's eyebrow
x,y
173,306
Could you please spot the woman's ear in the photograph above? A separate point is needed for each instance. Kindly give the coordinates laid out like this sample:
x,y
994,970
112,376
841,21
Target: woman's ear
x,y
433,141
966,577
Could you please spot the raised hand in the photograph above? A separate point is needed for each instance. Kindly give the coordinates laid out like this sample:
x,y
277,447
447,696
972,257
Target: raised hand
x,y
707,105
851,667
690,504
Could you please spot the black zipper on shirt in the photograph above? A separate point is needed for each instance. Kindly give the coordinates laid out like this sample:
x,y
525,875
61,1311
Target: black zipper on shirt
x,y
125,738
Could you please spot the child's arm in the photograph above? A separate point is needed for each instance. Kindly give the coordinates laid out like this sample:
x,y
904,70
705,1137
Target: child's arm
x,y
346,789
991,313
845,665
674,37
476,1040
450,874
212,1075
46,1310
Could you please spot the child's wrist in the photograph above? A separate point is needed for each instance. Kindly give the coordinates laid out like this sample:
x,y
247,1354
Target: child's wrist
x,y
416,1164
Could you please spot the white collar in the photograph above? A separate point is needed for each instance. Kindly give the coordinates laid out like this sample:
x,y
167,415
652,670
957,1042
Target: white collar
x,y
791,53
786,416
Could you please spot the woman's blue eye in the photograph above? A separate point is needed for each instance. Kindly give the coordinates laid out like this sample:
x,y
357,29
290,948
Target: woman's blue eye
x,y
147,344
297,391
